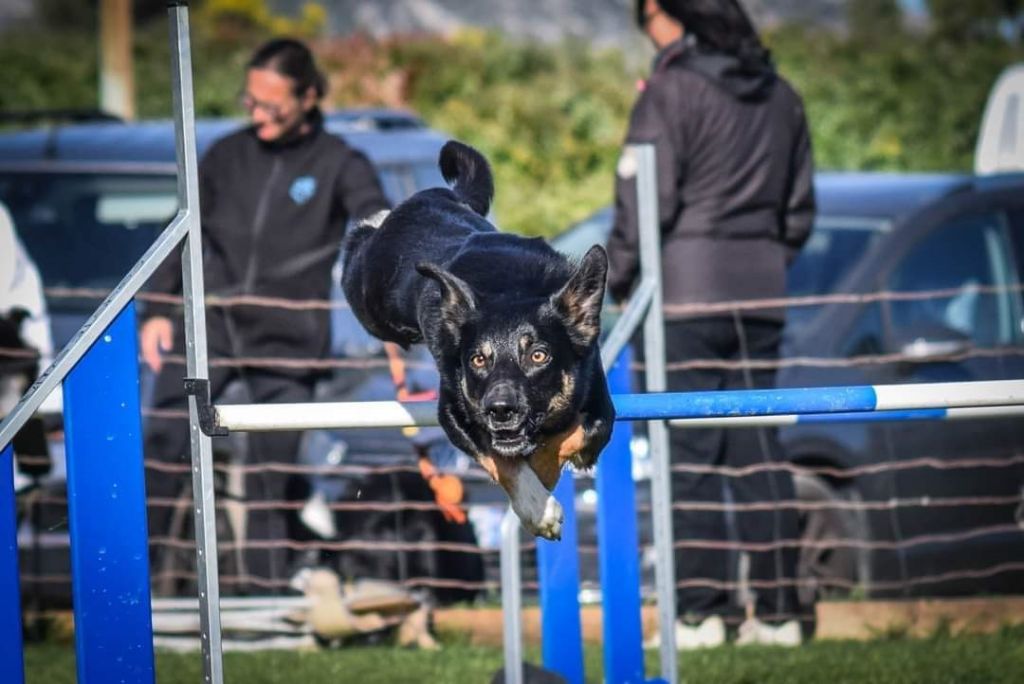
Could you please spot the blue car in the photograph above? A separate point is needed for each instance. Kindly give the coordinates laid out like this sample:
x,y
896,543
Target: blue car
x,y
927,507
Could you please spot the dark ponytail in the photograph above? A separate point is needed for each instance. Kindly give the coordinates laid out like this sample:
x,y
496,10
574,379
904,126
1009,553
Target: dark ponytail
x,y
722,26
291,58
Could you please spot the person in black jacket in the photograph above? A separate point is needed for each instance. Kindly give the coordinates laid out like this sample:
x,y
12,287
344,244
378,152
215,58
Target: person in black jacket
x,y
275,198
735,205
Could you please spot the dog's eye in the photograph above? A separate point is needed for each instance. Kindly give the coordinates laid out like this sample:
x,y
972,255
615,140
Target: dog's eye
x,y
539,356
477,361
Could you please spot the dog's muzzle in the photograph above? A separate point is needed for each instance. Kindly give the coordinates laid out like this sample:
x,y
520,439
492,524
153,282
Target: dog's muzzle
x,y
504,411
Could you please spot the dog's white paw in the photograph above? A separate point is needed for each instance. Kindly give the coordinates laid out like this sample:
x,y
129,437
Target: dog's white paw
x,y
550,524
540,513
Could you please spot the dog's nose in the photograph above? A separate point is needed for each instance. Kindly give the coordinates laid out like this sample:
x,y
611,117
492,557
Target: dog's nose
x,y
501,411
501,405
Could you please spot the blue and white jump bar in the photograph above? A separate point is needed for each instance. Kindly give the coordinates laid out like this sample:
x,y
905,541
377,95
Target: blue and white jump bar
x,y
969,413
887,402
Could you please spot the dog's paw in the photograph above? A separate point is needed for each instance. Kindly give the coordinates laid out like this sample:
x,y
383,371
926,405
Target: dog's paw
x,y
550,524
547,525
540,513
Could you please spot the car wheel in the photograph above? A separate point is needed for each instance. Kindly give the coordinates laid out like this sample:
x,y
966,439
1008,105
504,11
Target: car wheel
x,y
825,570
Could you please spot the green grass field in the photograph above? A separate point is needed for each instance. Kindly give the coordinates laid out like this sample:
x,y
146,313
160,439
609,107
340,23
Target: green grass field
x,y
991,659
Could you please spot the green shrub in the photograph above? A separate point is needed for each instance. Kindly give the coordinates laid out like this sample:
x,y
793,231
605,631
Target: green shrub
x,y
551,118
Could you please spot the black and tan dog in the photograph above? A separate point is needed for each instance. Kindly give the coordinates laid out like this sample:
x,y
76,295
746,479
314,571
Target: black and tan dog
x,y
511,323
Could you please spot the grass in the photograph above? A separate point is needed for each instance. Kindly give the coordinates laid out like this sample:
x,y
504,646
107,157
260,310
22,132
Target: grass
x,y
943,659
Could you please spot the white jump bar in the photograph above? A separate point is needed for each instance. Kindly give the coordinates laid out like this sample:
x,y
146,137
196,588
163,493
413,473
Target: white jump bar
x,y
732,406
326,416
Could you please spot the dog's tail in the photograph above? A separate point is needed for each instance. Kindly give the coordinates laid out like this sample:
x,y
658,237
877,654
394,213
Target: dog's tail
x,y
469,175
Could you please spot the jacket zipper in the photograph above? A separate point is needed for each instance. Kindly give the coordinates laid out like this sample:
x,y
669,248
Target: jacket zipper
x,y
258,223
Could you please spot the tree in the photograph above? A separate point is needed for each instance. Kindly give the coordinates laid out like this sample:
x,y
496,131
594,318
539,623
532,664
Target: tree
x,y
869,19
963,20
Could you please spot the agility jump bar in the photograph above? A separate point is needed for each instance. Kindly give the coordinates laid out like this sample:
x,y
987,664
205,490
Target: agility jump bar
x,y
968,413
918,401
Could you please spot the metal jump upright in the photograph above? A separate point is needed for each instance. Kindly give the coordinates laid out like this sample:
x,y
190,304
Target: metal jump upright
x,y
106,491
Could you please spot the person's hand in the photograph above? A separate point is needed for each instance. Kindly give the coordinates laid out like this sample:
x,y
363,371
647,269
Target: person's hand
x,y
155,339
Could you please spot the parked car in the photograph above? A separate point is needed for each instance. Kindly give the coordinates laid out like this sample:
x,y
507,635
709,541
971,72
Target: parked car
x,y
892,233
88,198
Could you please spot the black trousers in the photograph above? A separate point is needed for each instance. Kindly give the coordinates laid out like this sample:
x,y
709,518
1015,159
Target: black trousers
x,y
167,440
702,570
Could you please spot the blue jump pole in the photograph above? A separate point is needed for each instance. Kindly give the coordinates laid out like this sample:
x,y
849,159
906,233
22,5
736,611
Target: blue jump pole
x,y
618,547
107,510
559,569
12,660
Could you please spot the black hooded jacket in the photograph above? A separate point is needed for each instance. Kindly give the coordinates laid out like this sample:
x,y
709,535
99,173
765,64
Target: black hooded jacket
x,y
735,180
273,217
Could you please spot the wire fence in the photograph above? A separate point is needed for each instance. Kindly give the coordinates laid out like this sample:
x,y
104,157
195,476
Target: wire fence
x,y
980,517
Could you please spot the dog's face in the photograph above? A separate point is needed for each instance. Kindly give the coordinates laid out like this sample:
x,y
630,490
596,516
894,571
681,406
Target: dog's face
x,y
518,368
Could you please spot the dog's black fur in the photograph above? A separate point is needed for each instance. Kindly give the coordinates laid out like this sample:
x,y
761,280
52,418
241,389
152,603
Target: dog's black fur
x,y
511,323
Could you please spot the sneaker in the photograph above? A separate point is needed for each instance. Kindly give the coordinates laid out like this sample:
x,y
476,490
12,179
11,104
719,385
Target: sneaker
x,y
753,631
709,633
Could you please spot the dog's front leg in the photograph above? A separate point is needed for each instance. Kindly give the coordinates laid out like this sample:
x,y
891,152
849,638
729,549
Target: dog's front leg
x,y
539,512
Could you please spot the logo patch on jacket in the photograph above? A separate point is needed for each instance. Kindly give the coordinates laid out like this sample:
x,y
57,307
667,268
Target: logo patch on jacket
x,y
302,190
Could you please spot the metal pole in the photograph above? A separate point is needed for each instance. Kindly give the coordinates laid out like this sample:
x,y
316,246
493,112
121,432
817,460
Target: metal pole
x,y
657,432
91,330
627,324
511,600
195,344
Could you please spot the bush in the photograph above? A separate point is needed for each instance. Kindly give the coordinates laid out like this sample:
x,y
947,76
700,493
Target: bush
x,y
910,102
551,118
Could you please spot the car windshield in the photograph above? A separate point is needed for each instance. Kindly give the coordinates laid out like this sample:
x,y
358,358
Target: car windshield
x,y
835,245
87,230
593,230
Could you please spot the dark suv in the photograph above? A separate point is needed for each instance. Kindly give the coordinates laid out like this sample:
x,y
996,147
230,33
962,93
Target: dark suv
x,y
89,198
904,508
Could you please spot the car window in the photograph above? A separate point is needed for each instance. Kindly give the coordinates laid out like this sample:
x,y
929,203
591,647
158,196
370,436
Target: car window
x,y
577,239
866,333
87,230
428,175
835,245
966,254
1016,217
397,182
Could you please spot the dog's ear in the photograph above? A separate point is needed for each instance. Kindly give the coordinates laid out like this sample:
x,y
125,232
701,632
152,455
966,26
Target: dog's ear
x,y
457,302
579,302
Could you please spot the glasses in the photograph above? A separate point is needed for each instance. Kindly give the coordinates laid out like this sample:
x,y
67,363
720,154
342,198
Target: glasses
x,y
251,104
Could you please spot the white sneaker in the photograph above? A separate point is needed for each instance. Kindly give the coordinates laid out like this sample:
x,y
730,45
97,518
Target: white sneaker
x,y
753,631
708,634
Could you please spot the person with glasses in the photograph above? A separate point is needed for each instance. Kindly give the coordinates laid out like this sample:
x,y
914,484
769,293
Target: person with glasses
x,y
275,198
735,205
